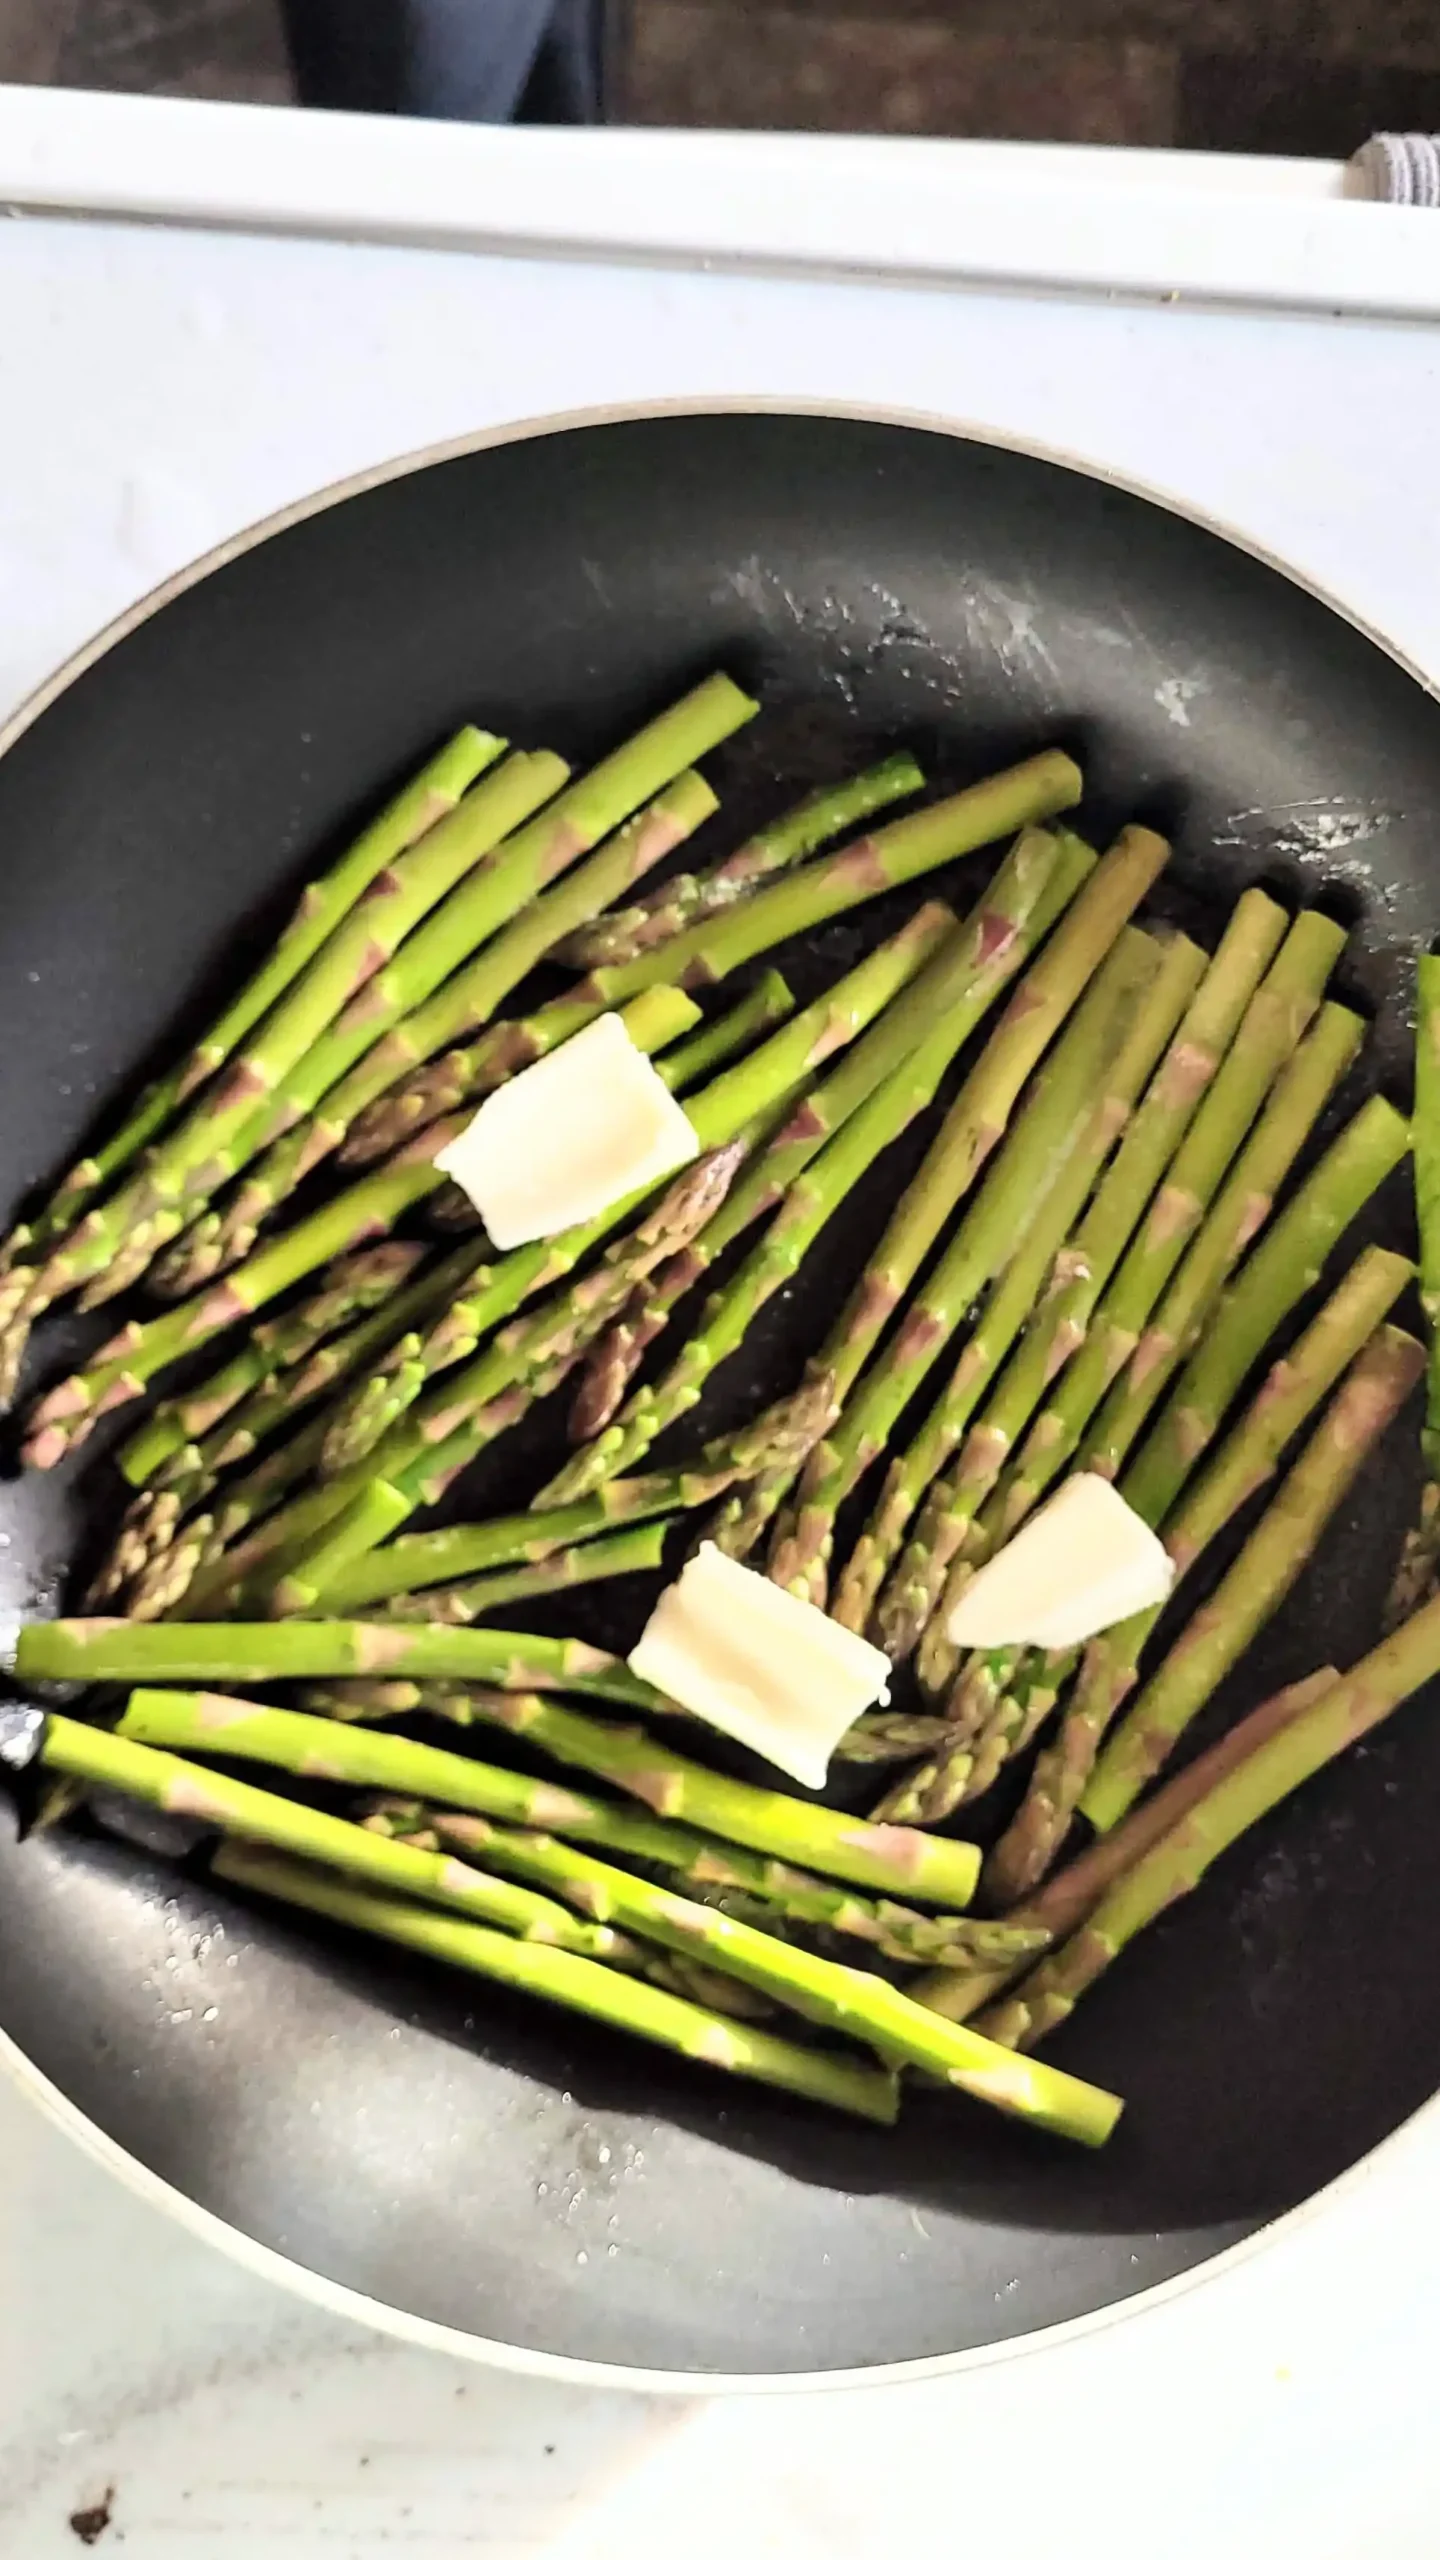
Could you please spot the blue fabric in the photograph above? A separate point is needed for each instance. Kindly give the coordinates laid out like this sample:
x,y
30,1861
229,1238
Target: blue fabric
x,y
473,61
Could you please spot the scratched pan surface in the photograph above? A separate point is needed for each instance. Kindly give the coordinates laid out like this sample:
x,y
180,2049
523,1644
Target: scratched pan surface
x,y
436,2148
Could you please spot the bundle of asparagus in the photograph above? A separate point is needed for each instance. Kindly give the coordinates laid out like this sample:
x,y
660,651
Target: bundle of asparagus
x,y
1091,1247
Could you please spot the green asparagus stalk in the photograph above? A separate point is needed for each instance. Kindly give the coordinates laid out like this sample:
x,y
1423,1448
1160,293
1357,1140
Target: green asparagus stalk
x,y
639,1550
813,1198
385,1391
718,945
370,1207
1262,1576
681,1790
313,1108
888,1734
534,1537
508,1047
723,1874
1349,1709
1283,1267
122,1368
1274,1021
1420,1557
973,1126
660,913
1272,1282
364,1523
832,1995
638,2008
176,1786
426,1451
947,992
1246,1460
314,1746
1062,1314
429,798
717,1044
1070,1893
114,1244
319,1649
357,1283
381,1399
1243,1205
162,1544
552,1338
908,849
1098,1043
199,1155
674,1789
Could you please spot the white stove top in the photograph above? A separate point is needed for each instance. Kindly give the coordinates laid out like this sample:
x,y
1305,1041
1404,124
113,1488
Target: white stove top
x,y
166,386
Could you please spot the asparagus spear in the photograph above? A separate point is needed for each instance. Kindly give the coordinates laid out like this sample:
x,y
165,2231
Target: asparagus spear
x,y
153,1542
723,1874
1062,1314
103,1759
369,1207
674,1789
812,1199
67,1415
313,1108
1245,1461
149,1552
1348,1709
355,1284
314,1746
380,1401
1272,1282
717,1044
1262,1576
507,1047
553,1337
1273,1023
1283,1267
639,2008
430,797
974,1124
887,1734
319,1649
1368,1150
833,1995
1241,1209
116,1242
533,1537
429,1448
1119,1052
386,1391
717,945
660,913
947,993
1070,1893
1168,1238
640,1550
1420,1557
200,1153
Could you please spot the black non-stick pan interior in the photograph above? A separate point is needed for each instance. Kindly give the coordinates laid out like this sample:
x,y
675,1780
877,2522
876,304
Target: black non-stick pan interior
x,y
430,2144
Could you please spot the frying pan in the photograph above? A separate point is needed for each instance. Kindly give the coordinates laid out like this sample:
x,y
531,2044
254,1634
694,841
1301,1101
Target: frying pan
x,y
451,2161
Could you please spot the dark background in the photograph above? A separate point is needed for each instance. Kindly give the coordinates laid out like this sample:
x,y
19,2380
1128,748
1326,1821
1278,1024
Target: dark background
x,y
1311,77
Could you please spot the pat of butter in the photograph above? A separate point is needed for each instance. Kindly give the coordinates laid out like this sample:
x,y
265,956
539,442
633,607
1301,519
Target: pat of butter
x,y
1081,1563
569,1137
758,1664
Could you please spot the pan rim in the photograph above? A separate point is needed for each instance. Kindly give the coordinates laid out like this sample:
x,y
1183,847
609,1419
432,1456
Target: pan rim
x,y
258,2257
